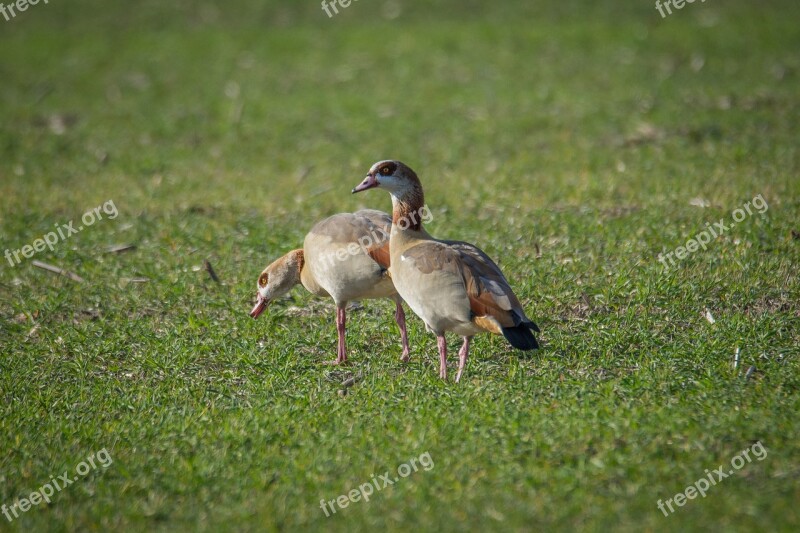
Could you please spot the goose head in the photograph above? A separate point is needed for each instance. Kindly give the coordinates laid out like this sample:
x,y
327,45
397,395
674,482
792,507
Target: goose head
x,y
393,176
277,279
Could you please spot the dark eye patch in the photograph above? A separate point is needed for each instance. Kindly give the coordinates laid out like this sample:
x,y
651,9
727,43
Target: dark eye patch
x,y
388,169
263,280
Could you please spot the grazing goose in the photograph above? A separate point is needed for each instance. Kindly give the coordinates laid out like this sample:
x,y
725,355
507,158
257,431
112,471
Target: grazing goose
x,y
451,286
345,257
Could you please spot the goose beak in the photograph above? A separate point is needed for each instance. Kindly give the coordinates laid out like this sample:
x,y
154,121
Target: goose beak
x,y
369,182
261,304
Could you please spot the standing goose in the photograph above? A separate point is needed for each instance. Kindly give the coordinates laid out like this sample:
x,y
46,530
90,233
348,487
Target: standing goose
x,y
345,257
452,286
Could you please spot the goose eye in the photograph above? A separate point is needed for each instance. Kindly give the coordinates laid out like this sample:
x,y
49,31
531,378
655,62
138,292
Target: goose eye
x,y
262,281
385,171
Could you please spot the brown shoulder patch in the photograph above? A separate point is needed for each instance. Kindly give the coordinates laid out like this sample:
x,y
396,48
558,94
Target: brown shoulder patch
x,y
380,254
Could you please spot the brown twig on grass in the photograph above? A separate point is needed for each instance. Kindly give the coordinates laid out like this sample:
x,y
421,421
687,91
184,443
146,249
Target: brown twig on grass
x,y
349,382
57,270
210,270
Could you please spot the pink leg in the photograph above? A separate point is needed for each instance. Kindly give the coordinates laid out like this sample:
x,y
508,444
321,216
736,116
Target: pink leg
x,y
463,353
341,318
442,356
400,317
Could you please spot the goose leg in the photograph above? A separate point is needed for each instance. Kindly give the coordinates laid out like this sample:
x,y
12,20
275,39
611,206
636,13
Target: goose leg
x,y
463,353
400,317
442,356
341,318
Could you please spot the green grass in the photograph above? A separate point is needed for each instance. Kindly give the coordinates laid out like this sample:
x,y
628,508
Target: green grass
x,y
568,141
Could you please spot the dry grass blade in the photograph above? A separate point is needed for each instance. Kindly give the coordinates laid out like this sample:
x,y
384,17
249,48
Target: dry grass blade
x,y
119,248
57,270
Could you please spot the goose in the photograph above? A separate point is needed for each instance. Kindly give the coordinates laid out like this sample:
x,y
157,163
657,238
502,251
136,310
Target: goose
x,y
344,257
452,286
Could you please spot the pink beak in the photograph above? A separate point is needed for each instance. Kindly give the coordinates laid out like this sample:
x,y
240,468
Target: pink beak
x,y
261,305
369,182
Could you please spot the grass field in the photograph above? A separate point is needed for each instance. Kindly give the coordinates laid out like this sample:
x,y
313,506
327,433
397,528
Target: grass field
x,y
574,142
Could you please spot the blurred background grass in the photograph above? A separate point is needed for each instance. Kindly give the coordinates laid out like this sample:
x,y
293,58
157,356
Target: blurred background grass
x,y
215,98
